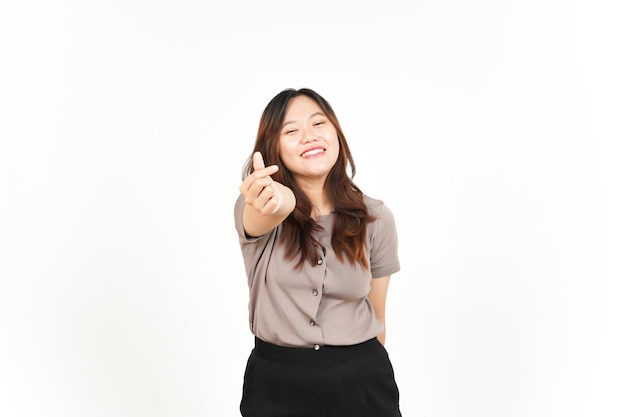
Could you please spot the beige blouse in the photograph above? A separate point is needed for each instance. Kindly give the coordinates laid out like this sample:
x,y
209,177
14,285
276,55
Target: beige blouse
x,y
322,304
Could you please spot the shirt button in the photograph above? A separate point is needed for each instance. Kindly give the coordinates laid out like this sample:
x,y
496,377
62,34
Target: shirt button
x,y
315,293
320,261
312,323
316,347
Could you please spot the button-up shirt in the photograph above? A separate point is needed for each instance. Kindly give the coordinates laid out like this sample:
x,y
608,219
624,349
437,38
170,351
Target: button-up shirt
x,y
321,304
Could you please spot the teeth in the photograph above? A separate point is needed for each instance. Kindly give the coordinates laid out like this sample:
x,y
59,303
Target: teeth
x,y
313,152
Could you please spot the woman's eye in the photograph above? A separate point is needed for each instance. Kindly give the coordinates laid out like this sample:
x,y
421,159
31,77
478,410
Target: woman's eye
x,y
290,131
318,123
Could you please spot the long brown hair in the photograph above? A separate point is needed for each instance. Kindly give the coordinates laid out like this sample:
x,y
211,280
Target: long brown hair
x,y
351,214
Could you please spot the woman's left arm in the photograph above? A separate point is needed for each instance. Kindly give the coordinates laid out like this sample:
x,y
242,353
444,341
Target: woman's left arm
x,y
378,298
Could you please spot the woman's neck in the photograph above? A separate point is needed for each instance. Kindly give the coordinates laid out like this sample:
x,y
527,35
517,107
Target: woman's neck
x,y
321,204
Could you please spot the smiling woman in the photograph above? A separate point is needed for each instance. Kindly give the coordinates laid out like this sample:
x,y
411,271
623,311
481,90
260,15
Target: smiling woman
x,y
309,145
319,255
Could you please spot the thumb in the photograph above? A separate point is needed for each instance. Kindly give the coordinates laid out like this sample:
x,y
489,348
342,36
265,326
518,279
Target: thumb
x,y
257,161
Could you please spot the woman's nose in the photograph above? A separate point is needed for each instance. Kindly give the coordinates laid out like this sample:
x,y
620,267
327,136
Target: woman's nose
x,y
308,135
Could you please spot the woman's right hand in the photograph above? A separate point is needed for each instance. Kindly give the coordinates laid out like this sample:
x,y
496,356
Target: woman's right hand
x,y
260,190
268,202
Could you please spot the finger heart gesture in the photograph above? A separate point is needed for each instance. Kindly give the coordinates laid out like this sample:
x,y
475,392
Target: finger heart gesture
x,y
259,190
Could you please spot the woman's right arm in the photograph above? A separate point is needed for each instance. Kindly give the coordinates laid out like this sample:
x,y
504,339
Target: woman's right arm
x,y
268,202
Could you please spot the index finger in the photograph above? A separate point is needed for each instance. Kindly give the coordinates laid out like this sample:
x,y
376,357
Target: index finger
x,y
257,161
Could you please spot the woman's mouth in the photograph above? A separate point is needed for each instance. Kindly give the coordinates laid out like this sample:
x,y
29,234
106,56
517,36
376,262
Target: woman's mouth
x,y
312,152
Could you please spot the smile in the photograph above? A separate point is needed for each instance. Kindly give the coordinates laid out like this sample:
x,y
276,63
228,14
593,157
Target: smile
x,y
312,152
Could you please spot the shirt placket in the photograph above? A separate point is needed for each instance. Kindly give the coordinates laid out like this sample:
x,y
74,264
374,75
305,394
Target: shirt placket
x,y
319,273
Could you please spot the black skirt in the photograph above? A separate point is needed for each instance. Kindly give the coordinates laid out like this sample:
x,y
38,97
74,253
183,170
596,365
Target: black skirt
x,y
333,381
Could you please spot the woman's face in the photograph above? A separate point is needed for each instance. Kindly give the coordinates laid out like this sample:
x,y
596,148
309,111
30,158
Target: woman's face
x,y
308,143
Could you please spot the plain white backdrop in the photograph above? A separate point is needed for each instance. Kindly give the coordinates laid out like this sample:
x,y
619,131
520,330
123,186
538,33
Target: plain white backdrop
x,y
494,130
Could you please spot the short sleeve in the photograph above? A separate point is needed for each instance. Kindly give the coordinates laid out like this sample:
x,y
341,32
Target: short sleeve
x,y
384,244
252,248
243,238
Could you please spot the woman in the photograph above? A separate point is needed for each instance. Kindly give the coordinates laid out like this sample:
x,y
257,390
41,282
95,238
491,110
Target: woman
x,y
318,255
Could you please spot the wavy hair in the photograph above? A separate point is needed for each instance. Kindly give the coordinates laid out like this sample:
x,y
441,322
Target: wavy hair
x,y
351,214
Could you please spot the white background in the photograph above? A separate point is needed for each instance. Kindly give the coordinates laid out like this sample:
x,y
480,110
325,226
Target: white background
x,y
492,129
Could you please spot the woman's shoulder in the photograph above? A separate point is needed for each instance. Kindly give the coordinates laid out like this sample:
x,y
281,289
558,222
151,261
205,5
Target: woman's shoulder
x,y
375,206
